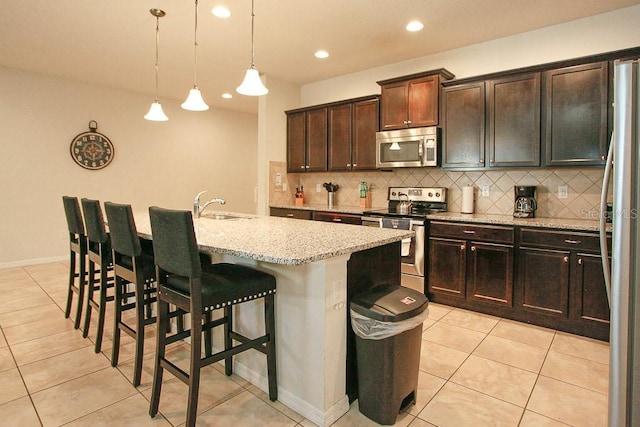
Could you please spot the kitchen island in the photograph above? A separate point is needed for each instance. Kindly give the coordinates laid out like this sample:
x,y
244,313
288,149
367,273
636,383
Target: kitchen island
x,y
318,267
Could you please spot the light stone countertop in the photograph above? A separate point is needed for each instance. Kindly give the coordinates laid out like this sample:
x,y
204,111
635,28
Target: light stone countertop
x,y
555,223
280,240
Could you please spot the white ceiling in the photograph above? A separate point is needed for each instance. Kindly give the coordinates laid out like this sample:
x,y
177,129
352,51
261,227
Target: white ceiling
x,y
112,42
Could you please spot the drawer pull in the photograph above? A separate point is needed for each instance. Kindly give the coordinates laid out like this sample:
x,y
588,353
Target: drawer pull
x,y
572,242
462,247
290,215
579,261
566,259
473,248
337,219
468,232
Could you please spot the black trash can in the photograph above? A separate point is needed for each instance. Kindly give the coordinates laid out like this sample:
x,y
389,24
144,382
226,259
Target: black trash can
x,y
387,321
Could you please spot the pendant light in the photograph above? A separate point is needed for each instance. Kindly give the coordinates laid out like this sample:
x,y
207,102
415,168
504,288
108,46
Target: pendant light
x,y
194,101
252,84
155,113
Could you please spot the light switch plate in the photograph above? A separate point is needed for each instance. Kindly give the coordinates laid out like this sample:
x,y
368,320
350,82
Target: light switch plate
x,y
563,193
318,188
484,191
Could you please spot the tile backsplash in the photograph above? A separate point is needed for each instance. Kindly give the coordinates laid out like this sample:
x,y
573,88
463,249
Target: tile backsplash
x,y
582,202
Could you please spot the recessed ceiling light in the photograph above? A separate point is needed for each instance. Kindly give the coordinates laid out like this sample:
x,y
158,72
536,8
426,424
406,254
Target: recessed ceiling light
x,y
322,54
227,96
221,12
414,26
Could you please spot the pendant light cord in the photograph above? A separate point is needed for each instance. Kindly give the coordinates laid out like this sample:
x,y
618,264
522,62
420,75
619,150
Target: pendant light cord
x,y
195,48
252,49
157,42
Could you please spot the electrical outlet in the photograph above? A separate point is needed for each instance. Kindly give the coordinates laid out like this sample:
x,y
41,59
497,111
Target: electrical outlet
x,y
285,186
484,189
563,193
318,188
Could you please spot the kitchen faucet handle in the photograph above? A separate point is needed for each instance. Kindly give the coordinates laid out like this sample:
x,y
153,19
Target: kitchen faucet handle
x,y
199,194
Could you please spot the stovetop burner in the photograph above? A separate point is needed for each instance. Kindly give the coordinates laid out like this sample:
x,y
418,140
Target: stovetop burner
x,y
424,201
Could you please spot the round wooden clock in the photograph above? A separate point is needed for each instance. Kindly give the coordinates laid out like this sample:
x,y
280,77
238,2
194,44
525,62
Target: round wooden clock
x,y
92,150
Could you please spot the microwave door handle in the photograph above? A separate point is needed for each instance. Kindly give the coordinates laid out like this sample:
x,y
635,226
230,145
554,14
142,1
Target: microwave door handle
x,y
421,150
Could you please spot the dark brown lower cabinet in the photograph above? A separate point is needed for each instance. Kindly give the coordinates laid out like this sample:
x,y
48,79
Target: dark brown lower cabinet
x,y
544,281
591,303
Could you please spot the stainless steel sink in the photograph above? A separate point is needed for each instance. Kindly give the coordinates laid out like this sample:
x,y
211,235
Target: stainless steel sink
x,y
222,216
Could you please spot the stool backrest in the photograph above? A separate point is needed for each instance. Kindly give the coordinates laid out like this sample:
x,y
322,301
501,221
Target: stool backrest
x,y
174,242
73,214
94,221
122,229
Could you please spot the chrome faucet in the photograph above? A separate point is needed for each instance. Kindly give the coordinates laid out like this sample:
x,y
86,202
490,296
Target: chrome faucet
x,y
197,210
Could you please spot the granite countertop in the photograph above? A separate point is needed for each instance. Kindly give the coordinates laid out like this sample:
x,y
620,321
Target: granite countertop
x,y
280,240
556,223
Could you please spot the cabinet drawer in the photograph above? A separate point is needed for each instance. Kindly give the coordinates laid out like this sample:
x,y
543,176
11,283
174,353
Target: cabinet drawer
x,y
290,213
492,233
337,217
559,239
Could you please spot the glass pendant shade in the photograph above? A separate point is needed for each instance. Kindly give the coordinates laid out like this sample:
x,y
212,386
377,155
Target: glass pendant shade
x,y
252,84
194,101
156,114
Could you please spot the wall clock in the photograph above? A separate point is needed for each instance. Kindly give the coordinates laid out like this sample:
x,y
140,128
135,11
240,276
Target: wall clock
x,y
92,150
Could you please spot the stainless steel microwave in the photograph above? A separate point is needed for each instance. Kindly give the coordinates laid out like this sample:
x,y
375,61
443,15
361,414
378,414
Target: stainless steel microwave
x,y
408,148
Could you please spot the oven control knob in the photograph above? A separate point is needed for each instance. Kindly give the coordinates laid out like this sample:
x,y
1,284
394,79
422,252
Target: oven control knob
x,y
430,194
437,194
393,193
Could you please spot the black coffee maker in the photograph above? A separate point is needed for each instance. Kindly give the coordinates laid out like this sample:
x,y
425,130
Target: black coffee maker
x,y
525,205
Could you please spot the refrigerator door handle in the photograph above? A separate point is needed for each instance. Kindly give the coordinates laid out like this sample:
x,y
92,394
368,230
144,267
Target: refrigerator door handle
x,y
604,249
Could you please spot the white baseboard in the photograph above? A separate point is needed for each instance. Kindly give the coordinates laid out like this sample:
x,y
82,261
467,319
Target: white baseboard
x,y
34,261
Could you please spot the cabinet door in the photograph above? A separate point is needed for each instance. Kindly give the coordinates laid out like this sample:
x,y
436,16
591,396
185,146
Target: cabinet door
x,y
296,142
422,104
514,121
447,267
365,125
463,122
290,213
591,304
491,273
576,115
316,137
394,106
544,281
339,218
340,137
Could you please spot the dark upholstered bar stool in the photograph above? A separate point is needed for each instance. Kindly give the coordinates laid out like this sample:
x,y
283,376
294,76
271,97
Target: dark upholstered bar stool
x,y
99,253
78,256
197,289
131,264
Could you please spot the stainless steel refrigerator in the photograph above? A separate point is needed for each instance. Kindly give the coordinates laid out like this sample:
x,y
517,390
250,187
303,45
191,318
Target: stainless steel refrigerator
x,y
623,290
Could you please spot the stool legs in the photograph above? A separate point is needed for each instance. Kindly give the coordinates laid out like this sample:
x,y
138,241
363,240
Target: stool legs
x,y
162,329
76,256
270,329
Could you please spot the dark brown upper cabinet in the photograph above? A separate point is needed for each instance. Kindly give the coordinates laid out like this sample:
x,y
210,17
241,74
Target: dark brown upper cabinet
x,y
575,115
352,135
411,101
514,121
307,140
463,124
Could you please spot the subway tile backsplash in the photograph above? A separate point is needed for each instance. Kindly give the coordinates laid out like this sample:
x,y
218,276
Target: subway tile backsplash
x,y
582,202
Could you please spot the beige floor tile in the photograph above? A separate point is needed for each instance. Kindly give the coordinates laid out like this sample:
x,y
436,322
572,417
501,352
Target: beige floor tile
x,y
290,413
513,385
244,410
8,275
458,406
6,359
453,336
20,292
52,345
12,386
587,348
215,388
428,386
439,360
524,333
470,320
427,323
23,283
519,355
22,303
568,403
3,342
531,419
55,370
437,311
79,397
20,317
420,423
132,411
354,418
37,329
577,371
20,412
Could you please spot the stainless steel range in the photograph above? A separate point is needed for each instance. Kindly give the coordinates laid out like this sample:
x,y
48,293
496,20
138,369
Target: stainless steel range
x,y
406,209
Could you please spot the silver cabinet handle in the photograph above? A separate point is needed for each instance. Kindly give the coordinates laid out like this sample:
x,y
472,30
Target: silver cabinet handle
x,y
355,165
572,242
348,165
462,247
566,259
579,261
473,248
337,219
290,215
302,167
307,167
468,232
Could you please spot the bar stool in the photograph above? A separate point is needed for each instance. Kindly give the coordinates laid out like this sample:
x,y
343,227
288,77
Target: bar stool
x,y
78,252
131,264
184,282
99,254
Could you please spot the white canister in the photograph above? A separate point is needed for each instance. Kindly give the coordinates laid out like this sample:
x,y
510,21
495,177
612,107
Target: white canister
x,y
467,199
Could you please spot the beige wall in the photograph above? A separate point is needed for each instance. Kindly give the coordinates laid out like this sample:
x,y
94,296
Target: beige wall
x,y
162,164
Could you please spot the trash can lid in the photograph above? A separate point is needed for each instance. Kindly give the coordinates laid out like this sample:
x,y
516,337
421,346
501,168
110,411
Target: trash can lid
x,y
388,303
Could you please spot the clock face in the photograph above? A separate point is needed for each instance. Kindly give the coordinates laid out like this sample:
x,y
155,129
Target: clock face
x,y
92,150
